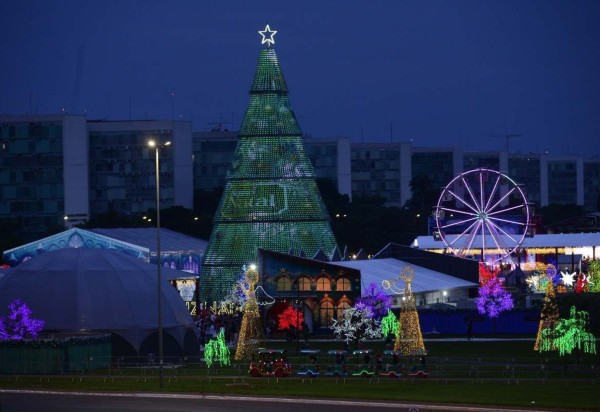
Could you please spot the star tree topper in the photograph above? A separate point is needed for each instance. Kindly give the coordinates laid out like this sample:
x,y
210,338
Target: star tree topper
x,y
267,36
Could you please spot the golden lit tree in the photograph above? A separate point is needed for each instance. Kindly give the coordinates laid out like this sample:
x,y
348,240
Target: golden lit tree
x,y
409,338
549,317
251,330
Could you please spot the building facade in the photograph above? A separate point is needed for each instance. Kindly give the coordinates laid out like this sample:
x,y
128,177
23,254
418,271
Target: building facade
x,y
123,166
57,171
43,172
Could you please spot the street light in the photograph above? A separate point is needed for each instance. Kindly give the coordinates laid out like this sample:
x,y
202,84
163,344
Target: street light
x,y
157,146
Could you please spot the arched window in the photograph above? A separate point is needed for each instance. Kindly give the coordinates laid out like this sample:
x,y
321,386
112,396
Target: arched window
x,y
343,285
323,284
340,309
304,283
326,313
284,284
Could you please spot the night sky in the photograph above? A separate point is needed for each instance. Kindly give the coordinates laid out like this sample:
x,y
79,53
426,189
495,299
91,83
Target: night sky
x,y
441,73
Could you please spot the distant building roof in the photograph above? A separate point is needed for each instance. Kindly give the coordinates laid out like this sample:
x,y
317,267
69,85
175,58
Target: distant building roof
x,y
425,280
170,241
538,241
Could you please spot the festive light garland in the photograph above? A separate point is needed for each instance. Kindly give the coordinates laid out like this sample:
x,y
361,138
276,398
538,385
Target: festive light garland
x,y
217,349
569,334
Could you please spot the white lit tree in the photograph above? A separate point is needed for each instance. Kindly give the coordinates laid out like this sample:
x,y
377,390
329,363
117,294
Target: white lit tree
x,y
355,326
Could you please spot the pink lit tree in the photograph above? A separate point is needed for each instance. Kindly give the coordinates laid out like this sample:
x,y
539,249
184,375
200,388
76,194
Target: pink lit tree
x,y
19,324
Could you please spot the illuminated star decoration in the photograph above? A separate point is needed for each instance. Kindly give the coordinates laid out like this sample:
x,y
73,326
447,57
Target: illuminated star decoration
x,y
568,278
267,36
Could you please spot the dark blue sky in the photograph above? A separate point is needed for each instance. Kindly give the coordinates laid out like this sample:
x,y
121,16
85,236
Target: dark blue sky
x,y
442,73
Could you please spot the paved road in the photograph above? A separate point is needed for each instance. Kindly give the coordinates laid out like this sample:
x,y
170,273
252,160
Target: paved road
x,y
28,401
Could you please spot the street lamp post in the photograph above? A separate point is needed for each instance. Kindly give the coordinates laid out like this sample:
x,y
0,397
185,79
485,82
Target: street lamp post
x,y
156,147
298,307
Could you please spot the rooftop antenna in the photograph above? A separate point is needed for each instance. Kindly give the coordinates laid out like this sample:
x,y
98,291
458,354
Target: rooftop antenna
x,y
507,137
219,124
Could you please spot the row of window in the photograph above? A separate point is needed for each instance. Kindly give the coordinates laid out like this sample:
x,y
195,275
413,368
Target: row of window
x,y
322,284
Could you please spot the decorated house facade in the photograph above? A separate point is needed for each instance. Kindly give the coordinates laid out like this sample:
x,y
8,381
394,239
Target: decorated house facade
x,y
322,290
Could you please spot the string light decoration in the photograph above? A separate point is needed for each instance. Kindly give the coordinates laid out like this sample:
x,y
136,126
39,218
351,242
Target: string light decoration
x,y
493,299
593,272
376,300
569,334
251,330
355,326
409,338
549,316
216,349
271,200
19,324
290,318
390,325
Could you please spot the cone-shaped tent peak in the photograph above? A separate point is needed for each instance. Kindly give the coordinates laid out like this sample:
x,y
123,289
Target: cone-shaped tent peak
x,y
268,77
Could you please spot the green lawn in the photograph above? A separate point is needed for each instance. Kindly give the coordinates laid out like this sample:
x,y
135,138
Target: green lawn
x,y
504,373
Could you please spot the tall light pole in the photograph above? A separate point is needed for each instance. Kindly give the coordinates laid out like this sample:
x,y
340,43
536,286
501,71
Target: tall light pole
x,y
156,145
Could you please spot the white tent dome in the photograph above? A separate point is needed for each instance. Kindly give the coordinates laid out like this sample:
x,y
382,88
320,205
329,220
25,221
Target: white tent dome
x,y
97,290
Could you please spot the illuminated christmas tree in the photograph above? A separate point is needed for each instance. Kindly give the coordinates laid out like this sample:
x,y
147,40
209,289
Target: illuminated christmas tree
x,y
271,199
409,338
549,316
251,330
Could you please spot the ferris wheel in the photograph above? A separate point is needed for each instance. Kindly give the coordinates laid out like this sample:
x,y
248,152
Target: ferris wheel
x,y
483,213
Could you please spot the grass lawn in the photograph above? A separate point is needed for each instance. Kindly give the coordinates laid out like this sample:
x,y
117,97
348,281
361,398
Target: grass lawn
x,y
564,387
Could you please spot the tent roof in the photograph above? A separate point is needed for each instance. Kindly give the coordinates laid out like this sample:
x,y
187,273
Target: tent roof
x,y
76,290
543,240
425,280
170,241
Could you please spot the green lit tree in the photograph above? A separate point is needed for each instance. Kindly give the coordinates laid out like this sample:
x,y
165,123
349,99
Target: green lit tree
x,y
271,199
568,334
390,325
216,349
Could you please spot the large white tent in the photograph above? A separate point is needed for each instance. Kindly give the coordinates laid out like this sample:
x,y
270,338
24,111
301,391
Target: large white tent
x,y
99,290
425,280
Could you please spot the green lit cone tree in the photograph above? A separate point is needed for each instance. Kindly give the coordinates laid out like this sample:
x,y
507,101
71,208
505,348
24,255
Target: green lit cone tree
x,y
271,200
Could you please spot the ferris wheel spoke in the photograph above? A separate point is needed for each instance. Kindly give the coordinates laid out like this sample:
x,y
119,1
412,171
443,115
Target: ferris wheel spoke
x,y
457,238
503,231
503,249
501,199
462,222
493,193
505,210
460,199
447,209
481,190
472,195
473,235
514,222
